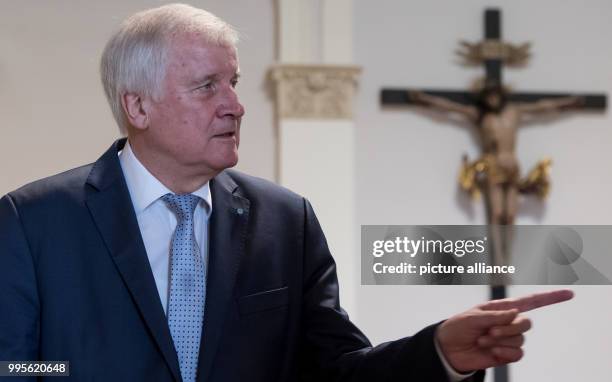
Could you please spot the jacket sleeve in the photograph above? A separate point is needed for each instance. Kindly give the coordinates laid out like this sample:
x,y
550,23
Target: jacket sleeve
x,y
19,303
334,349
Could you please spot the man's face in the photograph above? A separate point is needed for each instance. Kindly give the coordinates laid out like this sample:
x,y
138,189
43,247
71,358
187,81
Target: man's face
x,y
195,124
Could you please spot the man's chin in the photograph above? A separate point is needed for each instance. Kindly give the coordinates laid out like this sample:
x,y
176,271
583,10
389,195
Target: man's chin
x,y
226,163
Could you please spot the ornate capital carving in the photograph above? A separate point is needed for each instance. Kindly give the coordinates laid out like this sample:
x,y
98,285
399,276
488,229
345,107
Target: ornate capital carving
x,y
314,91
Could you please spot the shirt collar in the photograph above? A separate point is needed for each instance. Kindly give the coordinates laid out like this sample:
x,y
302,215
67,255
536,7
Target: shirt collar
x,y
145,188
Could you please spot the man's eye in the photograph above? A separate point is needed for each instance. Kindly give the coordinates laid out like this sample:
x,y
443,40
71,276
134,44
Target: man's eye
x,y
205,86
234,82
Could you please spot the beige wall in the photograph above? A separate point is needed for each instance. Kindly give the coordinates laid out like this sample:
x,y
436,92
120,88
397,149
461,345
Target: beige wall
x,y
53,114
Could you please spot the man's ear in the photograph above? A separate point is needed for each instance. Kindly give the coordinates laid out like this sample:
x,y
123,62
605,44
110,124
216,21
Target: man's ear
x,y
135,110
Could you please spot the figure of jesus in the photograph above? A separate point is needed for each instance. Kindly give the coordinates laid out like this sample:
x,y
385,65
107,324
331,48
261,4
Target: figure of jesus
x,y
497,172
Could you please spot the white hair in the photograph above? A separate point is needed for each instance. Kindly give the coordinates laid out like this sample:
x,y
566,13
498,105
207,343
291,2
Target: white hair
x,y
135,57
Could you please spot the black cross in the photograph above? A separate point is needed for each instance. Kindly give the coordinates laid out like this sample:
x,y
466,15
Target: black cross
x,y
493,64
493,53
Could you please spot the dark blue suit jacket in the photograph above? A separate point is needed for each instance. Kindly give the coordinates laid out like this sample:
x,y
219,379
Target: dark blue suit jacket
x,y
76,285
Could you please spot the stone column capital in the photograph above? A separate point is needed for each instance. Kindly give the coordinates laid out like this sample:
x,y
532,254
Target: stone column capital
x,y
314,91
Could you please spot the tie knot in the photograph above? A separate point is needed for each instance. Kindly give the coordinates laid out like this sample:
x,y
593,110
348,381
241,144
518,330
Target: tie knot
x,y
182,205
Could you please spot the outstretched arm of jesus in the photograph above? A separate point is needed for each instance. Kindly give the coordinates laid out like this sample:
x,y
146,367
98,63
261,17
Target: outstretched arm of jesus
x,y
443,104
549,105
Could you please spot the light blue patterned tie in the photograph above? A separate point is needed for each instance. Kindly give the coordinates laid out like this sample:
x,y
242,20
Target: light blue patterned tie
x,y
187,285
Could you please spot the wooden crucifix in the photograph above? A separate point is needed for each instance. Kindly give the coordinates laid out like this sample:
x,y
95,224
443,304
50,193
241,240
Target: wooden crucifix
x,y
497,113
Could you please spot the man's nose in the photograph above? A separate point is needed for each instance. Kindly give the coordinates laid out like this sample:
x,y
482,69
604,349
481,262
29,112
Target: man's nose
x,y
230,105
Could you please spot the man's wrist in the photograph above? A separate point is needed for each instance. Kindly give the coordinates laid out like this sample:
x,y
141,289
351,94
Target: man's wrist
x,y
453,375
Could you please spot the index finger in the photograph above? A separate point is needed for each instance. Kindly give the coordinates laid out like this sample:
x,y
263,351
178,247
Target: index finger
x,y
530,302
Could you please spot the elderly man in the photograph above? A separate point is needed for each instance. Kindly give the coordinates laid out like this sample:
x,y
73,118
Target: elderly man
x,y
156,263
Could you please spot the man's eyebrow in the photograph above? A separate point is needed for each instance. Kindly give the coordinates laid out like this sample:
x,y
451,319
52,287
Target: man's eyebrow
x,y
202,79
208,77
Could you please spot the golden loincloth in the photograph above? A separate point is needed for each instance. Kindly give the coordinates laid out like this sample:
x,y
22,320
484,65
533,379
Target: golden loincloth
x,y
474,176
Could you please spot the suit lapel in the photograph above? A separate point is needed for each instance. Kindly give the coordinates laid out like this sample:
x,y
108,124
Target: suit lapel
x,y
111,208
228,229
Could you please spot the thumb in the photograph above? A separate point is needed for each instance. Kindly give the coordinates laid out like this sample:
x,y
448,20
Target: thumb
x,y
489,318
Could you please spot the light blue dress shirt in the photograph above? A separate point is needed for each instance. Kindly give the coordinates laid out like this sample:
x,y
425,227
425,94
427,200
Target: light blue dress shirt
x,y
155,220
